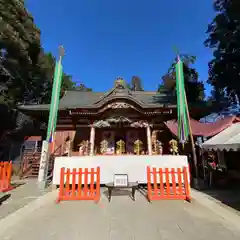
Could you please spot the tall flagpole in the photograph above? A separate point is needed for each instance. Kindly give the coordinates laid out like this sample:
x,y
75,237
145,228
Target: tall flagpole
x,y
181,78
52,121
191,139
55,96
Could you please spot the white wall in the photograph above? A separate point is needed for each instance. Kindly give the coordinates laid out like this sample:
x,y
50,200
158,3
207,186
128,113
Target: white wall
x,y
134,166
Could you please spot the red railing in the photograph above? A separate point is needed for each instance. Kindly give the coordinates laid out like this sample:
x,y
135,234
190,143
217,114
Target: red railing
x,y
75,185
165,183
5,176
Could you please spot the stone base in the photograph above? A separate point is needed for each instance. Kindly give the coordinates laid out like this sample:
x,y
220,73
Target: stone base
x,y
42,185
197,183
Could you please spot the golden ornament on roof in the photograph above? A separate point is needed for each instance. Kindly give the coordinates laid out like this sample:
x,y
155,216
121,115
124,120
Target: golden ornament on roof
x,y
119,82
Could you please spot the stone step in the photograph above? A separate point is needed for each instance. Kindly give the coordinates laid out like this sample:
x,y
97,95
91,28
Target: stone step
x,y
34,160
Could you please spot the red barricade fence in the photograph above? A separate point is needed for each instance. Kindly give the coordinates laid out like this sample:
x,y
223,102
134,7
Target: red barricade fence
x,y
5,176
168,183
79,185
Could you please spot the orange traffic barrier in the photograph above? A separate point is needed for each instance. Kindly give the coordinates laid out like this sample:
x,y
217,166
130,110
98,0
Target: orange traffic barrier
x,y
166,183
79,185
5,176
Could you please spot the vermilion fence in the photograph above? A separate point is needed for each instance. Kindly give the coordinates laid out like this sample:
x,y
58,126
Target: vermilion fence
x,y
79,184
5,176
168,183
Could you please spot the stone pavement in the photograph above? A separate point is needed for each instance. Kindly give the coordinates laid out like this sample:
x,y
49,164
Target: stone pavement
x,y
122,219
26,192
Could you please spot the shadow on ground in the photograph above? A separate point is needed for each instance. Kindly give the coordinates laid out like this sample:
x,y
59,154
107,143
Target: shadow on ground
x,y
4,198
119,192
142,189
16,185
229,196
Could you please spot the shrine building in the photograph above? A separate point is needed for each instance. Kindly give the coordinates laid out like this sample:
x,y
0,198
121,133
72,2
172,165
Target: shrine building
x,y
119,121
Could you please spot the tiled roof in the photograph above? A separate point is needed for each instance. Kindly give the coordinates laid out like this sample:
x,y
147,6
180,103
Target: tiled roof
x,y
233,110
79,99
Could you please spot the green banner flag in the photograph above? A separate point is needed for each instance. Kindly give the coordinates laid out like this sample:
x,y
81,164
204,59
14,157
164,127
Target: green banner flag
x,y
183,129
57,82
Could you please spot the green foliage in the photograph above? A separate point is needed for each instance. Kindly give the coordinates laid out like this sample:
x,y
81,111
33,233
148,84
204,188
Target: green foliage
x,y
224,39
46,66
128,86
20,47
26,72
83,88
136,84
194,88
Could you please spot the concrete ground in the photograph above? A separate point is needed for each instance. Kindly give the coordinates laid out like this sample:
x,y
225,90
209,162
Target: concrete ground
x,y
25,192
122,219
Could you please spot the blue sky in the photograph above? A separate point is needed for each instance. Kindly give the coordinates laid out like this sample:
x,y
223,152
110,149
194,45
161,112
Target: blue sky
x,y
104,39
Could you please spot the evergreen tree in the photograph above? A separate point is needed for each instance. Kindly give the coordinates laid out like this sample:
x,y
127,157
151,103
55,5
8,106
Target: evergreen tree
x,y
193,86
224,39
26,72
136,84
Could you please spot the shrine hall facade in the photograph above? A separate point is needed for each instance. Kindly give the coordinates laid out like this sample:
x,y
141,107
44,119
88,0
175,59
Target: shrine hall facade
x,y
119,121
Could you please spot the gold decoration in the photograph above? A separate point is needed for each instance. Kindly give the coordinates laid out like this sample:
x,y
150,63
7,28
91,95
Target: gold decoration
x,y
154,141
159,147
173,147
137,147
84,147
156,144
120,147
119,82
103,146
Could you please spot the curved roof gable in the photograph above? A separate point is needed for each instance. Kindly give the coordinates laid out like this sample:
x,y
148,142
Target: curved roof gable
x,y
78,99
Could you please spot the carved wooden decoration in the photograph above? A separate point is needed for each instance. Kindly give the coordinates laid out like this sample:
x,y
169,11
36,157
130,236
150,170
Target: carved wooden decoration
x,y
173,147
138,147
116,105
120,147
119,105
139,124
101,124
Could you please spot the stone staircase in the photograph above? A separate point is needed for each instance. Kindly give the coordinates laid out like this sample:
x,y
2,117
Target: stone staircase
x,y
31,160
31,164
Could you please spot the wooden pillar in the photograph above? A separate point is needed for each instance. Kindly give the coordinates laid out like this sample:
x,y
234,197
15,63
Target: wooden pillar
x,y
149,140
92,140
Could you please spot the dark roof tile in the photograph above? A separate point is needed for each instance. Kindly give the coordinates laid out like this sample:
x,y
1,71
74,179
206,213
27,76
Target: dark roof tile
x,y
79,99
